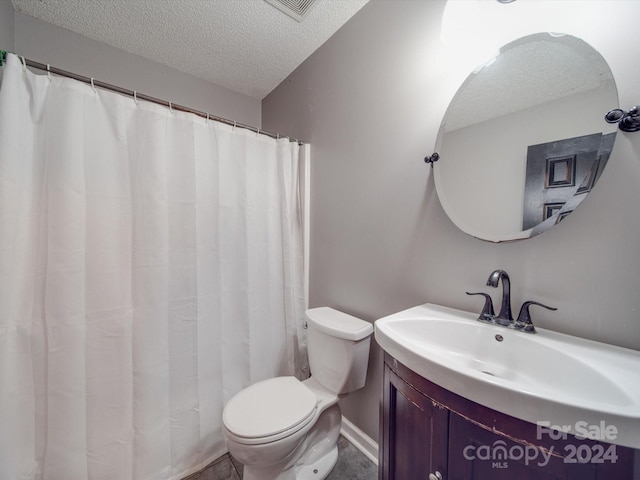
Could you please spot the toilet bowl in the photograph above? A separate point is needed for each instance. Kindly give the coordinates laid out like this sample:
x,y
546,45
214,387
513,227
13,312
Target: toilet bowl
x,y
286,429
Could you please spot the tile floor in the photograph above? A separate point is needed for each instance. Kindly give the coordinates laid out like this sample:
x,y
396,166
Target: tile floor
x,y
352,465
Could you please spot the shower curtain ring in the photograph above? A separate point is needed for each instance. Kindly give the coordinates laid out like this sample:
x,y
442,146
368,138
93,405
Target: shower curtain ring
x,y
49,71
93,86
257,133
24,64
135,97
207,118
234,125
170,107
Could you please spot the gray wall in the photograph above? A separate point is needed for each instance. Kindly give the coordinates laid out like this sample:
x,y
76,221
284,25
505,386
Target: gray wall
x,y
46,43
6,25
370,102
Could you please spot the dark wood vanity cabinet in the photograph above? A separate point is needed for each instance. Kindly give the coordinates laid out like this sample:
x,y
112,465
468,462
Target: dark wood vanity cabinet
x,y
417,432
427,430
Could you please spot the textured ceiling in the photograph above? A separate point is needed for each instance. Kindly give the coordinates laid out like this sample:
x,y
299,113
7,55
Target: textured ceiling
x,y
248,46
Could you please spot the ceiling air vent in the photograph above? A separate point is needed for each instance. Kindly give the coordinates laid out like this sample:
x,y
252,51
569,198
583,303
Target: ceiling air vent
x,y
296,9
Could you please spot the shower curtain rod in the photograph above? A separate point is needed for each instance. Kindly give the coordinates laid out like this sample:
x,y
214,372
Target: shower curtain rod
x,y
140,96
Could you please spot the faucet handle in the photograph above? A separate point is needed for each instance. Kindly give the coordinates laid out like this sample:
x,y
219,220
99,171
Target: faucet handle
x,y
487,310
524,317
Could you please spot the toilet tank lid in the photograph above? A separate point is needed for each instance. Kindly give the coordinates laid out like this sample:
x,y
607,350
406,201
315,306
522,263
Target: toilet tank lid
x,y
339,324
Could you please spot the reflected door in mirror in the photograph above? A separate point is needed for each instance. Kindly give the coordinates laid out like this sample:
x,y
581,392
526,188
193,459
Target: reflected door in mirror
x,y
558,175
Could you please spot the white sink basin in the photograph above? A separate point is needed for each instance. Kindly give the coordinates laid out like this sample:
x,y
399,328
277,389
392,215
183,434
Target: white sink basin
x,y
547,378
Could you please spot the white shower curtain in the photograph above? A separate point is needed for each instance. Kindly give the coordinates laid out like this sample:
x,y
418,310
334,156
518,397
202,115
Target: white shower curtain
x,y
150,268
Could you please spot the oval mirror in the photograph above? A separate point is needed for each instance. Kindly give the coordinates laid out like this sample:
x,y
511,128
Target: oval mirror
x,y
524,139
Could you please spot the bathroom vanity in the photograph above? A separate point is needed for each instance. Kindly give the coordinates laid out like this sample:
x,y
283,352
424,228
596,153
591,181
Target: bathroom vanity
x,y
465,400
427,432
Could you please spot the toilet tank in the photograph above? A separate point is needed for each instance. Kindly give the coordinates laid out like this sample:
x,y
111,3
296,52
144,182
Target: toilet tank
x,y
338,348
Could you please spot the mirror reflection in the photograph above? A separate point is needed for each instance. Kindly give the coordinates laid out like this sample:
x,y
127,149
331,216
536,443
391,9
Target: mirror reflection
x,y
524,140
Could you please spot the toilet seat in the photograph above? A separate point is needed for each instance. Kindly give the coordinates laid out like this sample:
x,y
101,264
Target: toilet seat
x,y
269,410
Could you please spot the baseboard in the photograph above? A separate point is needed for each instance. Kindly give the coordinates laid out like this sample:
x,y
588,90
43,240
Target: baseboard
x,y
360,440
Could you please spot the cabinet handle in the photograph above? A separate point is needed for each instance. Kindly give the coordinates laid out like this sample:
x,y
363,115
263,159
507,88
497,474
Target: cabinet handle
x,y
435,476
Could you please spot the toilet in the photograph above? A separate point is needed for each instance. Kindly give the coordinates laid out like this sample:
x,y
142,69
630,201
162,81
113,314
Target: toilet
x,y
286,429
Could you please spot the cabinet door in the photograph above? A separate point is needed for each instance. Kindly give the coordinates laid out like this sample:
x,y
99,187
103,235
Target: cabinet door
x,y
476,453
414,432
